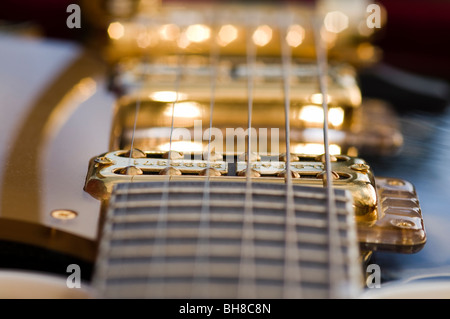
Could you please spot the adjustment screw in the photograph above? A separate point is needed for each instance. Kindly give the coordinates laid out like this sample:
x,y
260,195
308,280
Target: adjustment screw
x,y
103,160
294,174
252,173
170,171
136,153
173,155
364,168
209,172
131,170
321,158
253,157
293,157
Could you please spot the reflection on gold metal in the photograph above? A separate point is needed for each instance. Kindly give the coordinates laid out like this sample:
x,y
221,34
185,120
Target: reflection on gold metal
x,y
316,98
295,35
262,35
314,114
146,38
170,171
167,96
183,41
355,126
183,109
198,33
336,116
311,114
169,32
365,51
172,155
315,148
116,30
227,34
64,214
336,21
181,146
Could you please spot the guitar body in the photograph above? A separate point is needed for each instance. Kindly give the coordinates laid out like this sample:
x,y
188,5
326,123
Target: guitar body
x,y
58,115
30,186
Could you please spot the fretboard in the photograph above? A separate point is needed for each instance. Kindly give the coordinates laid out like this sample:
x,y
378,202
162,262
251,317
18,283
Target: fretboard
x,y
180,239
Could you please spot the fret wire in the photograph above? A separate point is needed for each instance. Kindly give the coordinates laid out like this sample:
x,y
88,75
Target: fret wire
x,y
201,265
292,266
335,252
161,229
246,284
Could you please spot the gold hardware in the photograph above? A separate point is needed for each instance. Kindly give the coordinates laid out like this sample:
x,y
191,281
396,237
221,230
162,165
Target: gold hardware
x,y
170,171
212,156
103,161
293,174
321,158
173,155
210,172
251,173
322,175
130,170
135,153
360,167
253,157
293,158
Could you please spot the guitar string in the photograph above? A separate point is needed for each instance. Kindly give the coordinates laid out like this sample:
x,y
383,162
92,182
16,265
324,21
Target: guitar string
x,y
292,287
246,275
160,239
335,253
248,207
126,192
202,264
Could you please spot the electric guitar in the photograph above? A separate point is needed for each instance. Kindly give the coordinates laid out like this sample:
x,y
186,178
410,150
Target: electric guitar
x,y
143,202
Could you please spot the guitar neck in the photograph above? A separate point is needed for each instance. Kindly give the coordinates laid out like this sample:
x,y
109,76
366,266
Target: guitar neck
x,y
168,241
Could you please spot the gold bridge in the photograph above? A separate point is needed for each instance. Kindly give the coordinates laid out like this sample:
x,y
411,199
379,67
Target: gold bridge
x,y
386,210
